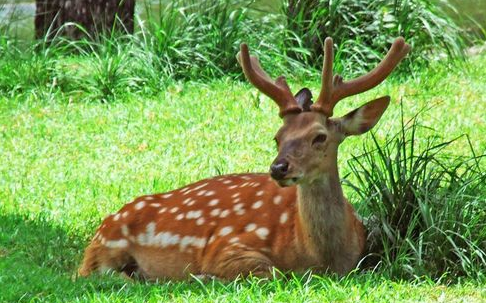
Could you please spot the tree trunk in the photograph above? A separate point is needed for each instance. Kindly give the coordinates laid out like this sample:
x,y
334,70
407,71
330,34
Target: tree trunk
x,y
94,16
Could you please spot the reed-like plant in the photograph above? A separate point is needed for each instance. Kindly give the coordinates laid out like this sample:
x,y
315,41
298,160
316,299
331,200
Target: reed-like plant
x,y
364,29
426,208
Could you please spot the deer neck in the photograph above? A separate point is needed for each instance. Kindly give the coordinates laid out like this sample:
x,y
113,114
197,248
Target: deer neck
x,y
322,215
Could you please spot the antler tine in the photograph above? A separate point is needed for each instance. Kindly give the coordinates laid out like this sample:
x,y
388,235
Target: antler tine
x,y
324,103
341,89
277,90
397,52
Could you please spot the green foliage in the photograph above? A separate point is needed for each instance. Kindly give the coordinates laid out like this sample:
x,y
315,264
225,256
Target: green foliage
x,y
198,40
363,31
426,207
190,36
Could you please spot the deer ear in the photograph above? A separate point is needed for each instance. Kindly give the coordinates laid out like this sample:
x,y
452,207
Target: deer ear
x,y
304,99
363,118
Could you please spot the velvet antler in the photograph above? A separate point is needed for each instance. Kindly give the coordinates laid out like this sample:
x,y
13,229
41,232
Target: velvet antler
x,y
335,89
277,90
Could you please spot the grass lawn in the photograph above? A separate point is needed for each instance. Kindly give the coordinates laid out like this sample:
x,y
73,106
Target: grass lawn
x,y
65,165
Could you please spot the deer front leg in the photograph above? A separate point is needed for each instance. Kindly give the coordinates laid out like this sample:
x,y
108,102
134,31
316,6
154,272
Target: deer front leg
x,y
236,261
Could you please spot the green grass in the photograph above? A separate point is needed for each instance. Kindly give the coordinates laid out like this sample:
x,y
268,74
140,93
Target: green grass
x,y
66,163
363,29
194,40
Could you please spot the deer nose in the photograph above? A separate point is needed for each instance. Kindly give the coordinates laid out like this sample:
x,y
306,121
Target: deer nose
x,y
279,169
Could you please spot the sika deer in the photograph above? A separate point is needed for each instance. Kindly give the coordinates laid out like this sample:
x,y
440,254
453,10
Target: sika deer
x,y
294,219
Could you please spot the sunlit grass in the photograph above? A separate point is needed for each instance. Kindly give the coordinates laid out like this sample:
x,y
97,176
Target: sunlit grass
x,y
66,163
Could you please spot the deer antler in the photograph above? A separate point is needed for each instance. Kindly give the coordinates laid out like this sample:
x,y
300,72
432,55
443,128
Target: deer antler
x,y
334,88
277,90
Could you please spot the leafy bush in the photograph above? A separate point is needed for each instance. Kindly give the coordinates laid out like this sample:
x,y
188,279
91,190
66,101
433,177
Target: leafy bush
x,y
427,208
363,30
200,39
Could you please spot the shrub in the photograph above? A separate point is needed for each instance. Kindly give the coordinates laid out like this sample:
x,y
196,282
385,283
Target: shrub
x,y
363,30
427,207
200,39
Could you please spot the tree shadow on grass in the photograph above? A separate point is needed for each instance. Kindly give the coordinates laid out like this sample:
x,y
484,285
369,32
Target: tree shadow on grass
x,y
38,262
35,255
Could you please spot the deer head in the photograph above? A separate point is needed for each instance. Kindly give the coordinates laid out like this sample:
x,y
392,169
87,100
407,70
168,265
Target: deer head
x,y
309,138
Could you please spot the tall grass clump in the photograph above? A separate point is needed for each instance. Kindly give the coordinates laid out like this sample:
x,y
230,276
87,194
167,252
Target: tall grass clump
x,y
24,66
187,39
427,208
363,30
198,40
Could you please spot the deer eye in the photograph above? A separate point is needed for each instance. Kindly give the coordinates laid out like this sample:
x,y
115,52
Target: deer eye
x,y
319,139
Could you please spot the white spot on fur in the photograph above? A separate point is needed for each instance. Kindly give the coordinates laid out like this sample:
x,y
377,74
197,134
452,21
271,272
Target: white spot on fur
x,y
277,200
149,198
215,212
210,193
234,240
124,230
250,227
224,213
200,221
116,217
257,204
140,205
179,217
162,239
125,214
213,202
193,214
235,195
162,210
193,241
155,204
174,209
225,231
284,217
187,201
184,189
122,243
201,192
232,186
165,196
226,181
260,193
256,184
240,212
262,232
238,207
200,186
